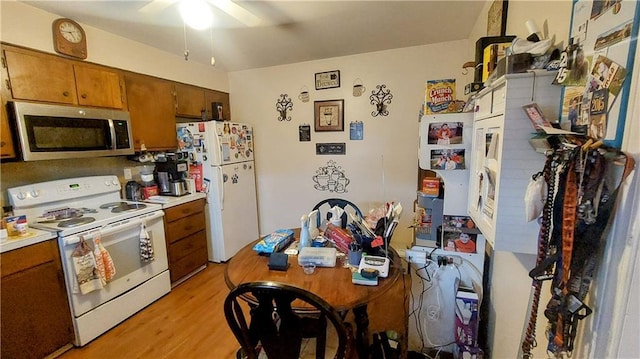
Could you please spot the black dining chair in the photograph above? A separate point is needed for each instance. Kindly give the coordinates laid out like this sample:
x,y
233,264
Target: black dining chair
x,y
324,206
274,328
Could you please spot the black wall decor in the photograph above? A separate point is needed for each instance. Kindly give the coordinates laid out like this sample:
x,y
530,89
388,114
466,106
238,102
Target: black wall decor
x,y
284,104
380,97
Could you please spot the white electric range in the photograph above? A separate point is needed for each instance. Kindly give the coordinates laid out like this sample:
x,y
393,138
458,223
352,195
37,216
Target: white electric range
x,y
90,209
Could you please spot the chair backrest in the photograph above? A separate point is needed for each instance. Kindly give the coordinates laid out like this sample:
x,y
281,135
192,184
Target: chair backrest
x,y
324,206
274,325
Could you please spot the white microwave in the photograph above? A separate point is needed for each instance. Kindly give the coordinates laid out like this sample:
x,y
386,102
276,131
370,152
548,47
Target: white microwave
x,y
47,132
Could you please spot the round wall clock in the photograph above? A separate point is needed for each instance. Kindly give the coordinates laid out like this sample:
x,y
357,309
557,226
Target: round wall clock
x,y
69,38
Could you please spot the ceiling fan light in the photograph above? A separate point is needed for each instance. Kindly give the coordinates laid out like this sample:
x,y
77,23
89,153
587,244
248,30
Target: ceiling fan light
x,y
196,14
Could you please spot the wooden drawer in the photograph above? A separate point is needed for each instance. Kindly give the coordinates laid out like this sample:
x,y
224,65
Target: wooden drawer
x,y
184,210
186,246
28,257
184,227
190,261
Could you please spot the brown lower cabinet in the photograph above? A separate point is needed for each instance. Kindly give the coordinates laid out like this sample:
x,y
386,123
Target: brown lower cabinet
x,y
185,228
35,315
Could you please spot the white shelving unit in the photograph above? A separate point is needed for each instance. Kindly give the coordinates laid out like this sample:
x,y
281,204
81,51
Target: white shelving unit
x,y
503,161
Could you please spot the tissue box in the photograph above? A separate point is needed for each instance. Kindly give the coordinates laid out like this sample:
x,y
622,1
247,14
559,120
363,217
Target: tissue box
x,y
466,322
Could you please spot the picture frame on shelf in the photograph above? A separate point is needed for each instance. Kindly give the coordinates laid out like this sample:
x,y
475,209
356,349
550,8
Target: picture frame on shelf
x,y
535,115
329,115
327,79
497,18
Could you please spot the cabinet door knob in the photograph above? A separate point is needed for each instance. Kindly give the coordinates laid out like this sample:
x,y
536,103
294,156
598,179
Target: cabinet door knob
x,y
65,94
84,95
2,144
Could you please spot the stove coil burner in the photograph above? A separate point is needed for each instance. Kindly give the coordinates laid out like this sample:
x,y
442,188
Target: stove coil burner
x,y
112,204
74,222
62,214
128,207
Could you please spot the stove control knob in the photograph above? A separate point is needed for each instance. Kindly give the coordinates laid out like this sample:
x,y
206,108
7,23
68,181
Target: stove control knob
x,y
21,195
34,193
115,182
107,183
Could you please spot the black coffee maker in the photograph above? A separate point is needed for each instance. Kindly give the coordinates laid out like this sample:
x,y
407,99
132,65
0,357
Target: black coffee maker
x,y
170,176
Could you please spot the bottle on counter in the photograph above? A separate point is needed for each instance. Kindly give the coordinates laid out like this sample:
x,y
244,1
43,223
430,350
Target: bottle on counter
x,y
305,236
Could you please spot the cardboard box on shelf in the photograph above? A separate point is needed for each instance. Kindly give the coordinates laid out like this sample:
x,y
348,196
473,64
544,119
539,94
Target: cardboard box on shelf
x,y
430,187
440,96
467,321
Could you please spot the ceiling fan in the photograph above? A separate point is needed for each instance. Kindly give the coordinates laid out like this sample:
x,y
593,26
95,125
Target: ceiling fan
x,y
228,6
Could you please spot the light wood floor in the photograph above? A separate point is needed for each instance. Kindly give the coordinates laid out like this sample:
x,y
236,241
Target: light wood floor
x,y
189,323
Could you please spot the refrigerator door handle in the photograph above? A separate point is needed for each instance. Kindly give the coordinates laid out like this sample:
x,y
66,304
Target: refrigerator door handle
x,y
220,187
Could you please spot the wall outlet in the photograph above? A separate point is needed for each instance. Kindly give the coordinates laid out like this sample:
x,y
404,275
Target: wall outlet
x,y
127,174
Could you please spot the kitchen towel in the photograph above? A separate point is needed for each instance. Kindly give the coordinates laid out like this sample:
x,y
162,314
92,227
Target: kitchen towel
x,y
109,269
84,264
146,246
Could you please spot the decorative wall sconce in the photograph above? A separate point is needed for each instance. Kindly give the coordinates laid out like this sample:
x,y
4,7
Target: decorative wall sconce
x,y
380,98
283,105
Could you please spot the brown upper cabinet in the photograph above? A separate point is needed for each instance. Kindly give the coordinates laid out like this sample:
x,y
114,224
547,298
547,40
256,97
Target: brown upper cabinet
x,y
211,96
37,76
7,149
192,101
152,109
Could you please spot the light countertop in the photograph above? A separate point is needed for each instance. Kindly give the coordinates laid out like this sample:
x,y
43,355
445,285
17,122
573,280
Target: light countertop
x,y
33,236
170,201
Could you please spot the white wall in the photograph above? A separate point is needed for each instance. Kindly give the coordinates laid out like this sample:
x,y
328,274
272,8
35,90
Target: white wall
x,y
105,48
382,167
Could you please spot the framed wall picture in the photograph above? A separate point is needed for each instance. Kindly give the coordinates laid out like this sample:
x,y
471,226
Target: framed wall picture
x,y
329,115
497,18
327,80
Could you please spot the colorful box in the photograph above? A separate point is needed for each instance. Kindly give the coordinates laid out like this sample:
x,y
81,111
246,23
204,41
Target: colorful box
x,y
440,96
430,187
467,321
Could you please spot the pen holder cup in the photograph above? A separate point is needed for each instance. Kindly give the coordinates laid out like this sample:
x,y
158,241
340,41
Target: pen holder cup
x,y
355,254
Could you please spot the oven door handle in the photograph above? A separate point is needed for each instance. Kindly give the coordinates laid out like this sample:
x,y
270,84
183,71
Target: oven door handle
x,y
114,227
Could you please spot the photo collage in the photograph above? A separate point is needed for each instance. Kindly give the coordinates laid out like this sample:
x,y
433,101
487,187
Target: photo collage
x,y
592,68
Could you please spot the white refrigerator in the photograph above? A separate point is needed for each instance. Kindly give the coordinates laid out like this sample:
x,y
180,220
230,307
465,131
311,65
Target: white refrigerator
x,y
225,150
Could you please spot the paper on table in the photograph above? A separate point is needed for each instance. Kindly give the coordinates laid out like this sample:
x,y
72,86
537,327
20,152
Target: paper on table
x,y
158,199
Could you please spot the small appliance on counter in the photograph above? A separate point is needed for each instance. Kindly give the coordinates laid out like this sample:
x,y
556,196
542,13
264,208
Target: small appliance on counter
x,y
133,191
171,175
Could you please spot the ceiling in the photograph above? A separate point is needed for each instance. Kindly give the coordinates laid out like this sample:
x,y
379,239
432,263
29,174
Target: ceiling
x,y
287,32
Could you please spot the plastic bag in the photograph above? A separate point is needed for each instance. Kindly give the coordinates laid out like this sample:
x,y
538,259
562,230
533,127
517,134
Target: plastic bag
x,y
535,196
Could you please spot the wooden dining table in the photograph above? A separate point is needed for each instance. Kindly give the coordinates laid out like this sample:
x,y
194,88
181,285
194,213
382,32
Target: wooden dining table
x,y
333,284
